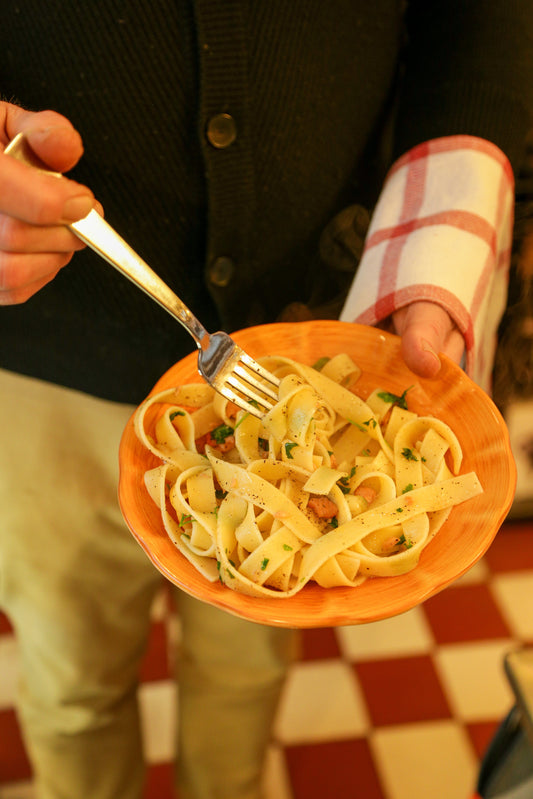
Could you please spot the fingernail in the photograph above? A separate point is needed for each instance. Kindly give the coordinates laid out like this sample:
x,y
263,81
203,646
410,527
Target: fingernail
x,y
77,207
426,346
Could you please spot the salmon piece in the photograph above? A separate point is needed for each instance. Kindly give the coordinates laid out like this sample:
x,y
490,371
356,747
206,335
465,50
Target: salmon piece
x,y
324,507
366,492
231,409
200,444
222,446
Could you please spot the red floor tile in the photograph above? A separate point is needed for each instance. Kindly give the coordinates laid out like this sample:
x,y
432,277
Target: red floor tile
x,y
5,626
317,644
402,690
512,549
333,770
14,763
155,664
159,782
465,613
481,734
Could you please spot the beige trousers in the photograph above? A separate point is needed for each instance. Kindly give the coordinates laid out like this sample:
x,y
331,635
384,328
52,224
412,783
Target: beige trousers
x,y
78,590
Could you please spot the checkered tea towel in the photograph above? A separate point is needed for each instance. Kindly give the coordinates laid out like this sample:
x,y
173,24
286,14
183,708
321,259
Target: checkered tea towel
x,y
442,231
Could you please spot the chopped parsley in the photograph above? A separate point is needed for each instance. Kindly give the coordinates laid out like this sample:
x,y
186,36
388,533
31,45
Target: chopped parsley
x,y
405,542
408,487
263,444
220,433
220,493
320,363
264,564
408,454
185,519
359,426
241,420
173,415
287,548
344,482
395,399
334,522
289,446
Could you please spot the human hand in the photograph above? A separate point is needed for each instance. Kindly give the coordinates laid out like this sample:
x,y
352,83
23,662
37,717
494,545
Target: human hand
x,y
426,329
35,207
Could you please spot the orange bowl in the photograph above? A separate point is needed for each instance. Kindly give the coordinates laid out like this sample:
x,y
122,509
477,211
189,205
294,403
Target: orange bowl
x,y
460,543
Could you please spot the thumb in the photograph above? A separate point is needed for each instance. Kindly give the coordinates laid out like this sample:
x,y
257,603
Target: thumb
x,y
426,330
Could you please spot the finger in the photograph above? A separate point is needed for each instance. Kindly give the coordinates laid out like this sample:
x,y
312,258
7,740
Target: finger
x,y
40,199
22,275
50,135
20,296
20,237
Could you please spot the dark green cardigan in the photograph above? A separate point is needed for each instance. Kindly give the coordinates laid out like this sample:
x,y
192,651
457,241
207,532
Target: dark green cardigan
x,y
310,87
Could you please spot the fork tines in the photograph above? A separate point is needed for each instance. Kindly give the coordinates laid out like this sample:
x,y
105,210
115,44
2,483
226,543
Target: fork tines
x,y
253,388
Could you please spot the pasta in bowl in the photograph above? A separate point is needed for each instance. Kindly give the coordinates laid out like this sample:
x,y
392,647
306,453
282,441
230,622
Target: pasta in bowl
x,y
362,470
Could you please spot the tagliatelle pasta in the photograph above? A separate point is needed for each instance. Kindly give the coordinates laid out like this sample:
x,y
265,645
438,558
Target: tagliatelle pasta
x,y
327,487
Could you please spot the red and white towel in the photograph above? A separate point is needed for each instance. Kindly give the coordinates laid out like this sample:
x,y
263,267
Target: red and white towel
x,y
442,231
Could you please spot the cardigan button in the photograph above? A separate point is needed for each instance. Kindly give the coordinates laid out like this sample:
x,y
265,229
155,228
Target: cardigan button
x,y
221,131
221,271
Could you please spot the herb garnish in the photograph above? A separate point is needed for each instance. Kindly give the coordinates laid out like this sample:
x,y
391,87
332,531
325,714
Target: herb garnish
x,y
220,433
395,399
405,542
289,446
344,482
320,363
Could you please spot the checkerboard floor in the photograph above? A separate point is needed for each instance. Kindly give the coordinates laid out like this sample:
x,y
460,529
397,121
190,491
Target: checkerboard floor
x,y
399,709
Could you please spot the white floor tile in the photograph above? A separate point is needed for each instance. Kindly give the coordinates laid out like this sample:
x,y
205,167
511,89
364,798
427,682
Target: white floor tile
x,y
8,670
433,760
322,700
514,594
159,608
473,678
157,701
407,634
477,574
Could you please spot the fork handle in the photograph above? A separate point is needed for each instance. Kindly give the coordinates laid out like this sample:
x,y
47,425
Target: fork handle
x,y
94,231
100,236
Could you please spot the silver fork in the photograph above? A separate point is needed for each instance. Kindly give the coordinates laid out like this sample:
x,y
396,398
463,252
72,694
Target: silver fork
x,y
221,362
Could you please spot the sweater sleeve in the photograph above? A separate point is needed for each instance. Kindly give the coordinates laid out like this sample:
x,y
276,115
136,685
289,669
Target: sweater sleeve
x,y
441,232
468,69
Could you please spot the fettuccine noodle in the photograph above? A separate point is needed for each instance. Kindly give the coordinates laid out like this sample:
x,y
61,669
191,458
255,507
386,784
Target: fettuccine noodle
x,y
326,488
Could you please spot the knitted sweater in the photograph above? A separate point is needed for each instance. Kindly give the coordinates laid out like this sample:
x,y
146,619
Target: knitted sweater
x,y
222,137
